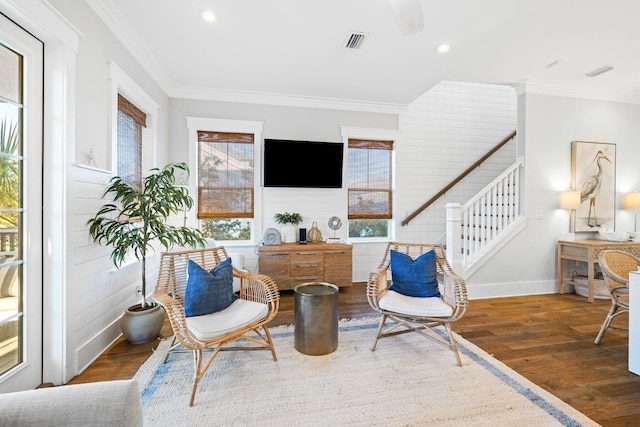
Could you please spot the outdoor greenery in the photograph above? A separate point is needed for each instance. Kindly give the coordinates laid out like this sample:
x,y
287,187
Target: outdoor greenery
x,y
226,229
9,173
138,218
288,218
369,228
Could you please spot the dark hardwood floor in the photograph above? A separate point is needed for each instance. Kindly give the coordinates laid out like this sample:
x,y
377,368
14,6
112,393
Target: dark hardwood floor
x,y
546,338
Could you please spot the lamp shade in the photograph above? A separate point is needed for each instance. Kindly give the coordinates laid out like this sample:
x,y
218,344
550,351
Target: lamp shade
x,y
569,199
631,201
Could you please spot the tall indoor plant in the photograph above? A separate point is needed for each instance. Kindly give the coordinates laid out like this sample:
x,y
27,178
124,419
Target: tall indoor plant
x,y
134,221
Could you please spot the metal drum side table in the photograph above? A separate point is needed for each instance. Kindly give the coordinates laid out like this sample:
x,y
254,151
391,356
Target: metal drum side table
x,y
316,318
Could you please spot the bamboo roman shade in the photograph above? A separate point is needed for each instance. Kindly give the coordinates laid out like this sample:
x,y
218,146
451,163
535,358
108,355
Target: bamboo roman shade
x,y
131,120
225,175
370,183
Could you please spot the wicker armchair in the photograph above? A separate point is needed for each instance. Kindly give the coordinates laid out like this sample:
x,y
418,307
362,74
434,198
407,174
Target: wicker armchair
x,y
417,314
615,266
245,319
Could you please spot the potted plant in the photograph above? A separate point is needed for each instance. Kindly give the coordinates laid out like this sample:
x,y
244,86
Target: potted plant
x,y
132,223
288,222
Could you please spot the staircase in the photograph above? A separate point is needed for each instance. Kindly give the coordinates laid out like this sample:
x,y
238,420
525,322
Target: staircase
x,y
477,229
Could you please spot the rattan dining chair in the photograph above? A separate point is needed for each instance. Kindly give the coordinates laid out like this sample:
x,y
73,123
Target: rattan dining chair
x,y
245,319
418,314
615,266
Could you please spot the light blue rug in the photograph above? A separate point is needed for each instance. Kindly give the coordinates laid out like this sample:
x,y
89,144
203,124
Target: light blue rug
x,y
407,381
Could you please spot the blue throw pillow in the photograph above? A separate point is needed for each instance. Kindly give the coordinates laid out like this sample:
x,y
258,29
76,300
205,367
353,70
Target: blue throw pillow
x,y
208,291
414,278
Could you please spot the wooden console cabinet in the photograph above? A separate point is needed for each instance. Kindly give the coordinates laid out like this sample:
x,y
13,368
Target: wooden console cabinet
x,y
290,264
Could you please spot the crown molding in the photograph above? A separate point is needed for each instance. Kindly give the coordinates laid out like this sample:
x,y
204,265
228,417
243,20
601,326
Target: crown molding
x,y
539,88
43,20
247,97
117,23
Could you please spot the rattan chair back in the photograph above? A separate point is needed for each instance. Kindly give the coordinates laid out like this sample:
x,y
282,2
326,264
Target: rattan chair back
x,y
170,290
616,266
452,288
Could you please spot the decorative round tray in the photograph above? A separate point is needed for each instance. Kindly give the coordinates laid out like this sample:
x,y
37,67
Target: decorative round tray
x,y
615,236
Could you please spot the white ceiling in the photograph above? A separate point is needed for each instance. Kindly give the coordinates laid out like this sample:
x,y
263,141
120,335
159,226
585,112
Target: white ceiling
x,y
293,49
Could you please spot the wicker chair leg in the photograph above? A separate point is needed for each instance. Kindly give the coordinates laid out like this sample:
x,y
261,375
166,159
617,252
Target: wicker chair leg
x,y
452,343
197,363
607,323
380,326
270,341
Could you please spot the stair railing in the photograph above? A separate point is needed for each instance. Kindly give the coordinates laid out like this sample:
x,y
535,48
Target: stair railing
x,y
474,226
458,179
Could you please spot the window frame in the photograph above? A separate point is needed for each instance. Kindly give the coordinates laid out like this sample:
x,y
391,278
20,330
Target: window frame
x,y
195,124
381,135
122,84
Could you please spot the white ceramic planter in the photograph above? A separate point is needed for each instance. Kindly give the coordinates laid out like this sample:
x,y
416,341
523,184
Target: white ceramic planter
x,y
142,326
288,233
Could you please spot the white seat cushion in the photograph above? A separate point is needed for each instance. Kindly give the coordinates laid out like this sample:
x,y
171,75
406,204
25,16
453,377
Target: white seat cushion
x,y
416,306
238,315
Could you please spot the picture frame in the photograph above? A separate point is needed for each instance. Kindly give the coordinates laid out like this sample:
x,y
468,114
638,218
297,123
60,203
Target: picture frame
x,y
593,173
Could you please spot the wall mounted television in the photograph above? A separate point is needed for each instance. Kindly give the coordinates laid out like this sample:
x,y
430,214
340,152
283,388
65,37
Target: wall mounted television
x,y
307,164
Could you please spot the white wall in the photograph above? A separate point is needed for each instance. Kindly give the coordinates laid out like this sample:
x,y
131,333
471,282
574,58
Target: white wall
x,y
96,292
440,135
315,124
444,132
527,265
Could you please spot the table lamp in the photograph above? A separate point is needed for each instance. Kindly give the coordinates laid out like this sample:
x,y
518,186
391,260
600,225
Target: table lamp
x,y
570,200
631,201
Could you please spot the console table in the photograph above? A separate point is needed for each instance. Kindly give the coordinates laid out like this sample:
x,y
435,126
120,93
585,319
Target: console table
x,y
291,264
586,251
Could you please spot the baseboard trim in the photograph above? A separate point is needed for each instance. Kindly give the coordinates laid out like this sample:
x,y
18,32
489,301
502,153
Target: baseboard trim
x,y
511,289
93,348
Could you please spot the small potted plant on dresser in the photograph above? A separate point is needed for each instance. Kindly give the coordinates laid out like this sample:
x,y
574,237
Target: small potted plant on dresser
x,y
132,223
288,221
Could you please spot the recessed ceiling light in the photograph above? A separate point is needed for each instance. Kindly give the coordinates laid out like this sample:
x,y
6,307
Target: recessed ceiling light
x,y
208,16
443,48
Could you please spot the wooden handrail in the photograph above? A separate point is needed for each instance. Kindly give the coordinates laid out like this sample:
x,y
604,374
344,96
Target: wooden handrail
x,y
458,179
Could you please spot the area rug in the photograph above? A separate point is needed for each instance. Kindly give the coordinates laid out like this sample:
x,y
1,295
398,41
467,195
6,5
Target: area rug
x,y
407,381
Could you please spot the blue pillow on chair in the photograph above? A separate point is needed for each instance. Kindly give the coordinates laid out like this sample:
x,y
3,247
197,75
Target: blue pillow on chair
x,y
414,278
208,291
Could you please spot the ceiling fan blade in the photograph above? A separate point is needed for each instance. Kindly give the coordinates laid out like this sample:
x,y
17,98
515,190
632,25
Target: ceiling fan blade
x,y
408,15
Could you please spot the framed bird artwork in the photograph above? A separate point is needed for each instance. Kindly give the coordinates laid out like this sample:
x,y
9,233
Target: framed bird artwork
x,y
593,173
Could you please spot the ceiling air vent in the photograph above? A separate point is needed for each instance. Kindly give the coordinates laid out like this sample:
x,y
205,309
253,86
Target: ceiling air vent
x,y
354,40
598,71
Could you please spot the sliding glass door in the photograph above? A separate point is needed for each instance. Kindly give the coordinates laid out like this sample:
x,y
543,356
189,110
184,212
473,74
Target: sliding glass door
x,y
21,70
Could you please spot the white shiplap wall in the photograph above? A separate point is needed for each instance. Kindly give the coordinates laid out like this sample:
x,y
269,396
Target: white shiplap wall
x,y
100,292
442,133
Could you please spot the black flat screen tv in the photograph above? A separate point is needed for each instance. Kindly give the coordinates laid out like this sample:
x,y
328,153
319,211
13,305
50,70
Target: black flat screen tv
x,y
308,164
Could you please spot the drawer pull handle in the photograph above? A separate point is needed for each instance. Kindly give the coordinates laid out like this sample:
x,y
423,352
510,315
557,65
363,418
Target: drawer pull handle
x,y
276,254
306,265
307,253
335,253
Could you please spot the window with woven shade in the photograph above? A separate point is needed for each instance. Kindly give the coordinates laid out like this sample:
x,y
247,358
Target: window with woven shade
x,y
370,191
225,175
131,121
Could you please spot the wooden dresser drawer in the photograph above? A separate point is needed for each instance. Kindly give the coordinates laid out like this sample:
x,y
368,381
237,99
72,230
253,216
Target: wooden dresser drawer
x,y
337,267
306,266
276,266
306,257
292,264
